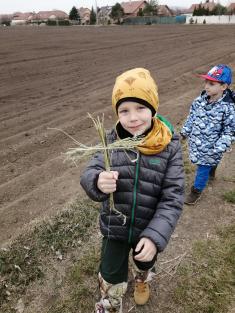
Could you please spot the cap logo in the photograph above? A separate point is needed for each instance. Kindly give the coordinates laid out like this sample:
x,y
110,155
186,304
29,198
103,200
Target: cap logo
x,y
216,72
130,80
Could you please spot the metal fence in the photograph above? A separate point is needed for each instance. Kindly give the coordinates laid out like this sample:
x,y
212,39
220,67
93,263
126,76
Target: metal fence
x,y
148,20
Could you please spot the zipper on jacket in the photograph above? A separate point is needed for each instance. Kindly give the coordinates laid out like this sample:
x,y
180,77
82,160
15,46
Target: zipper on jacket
x,y
134,197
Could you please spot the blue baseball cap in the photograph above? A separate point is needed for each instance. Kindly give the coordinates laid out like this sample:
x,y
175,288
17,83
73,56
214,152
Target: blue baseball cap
x,y
220,73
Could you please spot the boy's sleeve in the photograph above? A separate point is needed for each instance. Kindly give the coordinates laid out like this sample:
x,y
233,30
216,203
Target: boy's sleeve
x,y
228,132
90,176
188,125
170,206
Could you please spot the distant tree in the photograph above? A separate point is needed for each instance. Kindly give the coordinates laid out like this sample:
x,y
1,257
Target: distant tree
x,y
200,10
5,20
74,15
219,10
195,11
140,12
206,11
151,8
92,17
117,12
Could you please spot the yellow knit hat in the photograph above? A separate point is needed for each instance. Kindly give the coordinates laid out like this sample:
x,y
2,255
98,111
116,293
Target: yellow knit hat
x,y
135,85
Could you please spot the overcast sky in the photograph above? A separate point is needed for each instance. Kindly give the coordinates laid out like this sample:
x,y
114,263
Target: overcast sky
x,y
10,6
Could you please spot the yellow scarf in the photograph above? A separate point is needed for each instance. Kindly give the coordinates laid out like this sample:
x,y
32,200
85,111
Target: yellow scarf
x,y
157,139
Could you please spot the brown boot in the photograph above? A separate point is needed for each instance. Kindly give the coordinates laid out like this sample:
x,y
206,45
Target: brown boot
x,y
212,174
193,196
142,290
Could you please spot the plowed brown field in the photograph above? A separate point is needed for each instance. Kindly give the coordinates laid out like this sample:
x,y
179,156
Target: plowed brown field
x,y
51,77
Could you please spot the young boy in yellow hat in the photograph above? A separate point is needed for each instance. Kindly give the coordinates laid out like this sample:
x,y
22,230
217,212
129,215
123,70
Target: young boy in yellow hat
x,y
148,187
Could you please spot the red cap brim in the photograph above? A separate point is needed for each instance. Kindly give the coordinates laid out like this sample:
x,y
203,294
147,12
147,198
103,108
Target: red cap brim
x,y
207,77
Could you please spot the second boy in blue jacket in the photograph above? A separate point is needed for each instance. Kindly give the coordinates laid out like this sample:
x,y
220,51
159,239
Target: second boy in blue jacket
x,y
210,127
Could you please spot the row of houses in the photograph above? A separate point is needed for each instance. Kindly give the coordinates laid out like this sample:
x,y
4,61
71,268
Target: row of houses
x,y
18,18
130,8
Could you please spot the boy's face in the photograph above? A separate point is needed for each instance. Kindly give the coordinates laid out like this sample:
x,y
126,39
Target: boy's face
x,y
134,117
214,89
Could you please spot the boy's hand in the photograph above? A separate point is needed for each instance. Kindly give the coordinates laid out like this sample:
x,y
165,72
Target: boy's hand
x,y
107,181
147,250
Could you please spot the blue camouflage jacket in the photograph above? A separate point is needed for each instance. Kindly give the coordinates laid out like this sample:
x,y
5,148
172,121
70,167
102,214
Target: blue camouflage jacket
x,y
210,128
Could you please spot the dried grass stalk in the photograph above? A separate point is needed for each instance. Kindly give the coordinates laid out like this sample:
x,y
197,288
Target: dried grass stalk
x,y
84,151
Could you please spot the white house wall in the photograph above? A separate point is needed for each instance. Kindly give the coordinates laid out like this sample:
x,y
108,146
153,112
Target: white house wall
x,y
18,22
212,19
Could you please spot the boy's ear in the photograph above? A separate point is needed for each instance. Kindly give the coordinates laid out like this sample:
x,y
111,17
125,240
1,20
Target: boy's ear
x,y
225,86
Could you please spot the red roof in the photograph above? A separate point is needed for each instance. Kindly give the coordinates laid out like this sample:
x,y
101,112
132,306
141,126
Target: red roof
x,y
6,16
19,16
231,7
84,12
164,10
132,7
44,15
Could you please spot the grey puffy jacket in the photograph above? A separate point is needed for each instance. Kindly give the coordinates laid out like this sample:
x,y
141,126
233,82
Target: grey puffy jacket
x,y
150,193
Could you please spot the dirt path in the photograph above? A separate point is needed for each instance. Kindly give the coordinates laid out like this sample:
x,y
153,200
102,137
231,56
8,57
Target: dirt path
x,y
51,77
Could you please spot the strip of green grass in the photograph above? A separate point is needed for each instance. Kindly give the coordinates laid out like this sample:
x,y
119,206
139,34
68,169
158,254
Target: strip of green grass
x,y
207,283
82,279
22,262
229,196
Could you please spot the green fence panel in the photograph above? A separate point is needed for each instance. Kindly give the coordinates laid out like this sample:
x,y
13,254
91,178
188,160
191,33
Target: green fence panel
x,y
148,20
